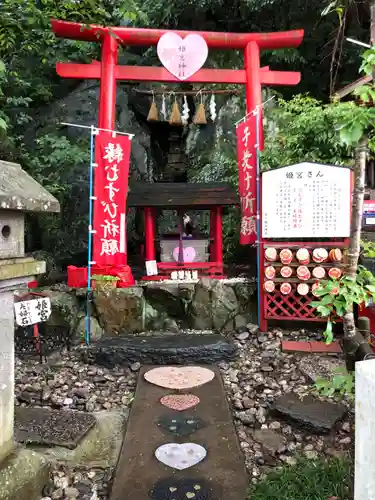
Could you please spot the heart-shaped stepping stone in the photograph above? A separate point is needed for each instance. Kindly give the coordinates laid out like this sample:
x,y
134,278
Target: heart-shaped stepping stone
x,y
179,377
182,489
180,456
182,57
179,425
179,402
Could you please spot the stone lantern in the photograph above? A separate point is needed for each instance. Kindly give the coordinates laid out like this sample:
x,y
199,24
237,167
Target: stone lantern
x,y
19,194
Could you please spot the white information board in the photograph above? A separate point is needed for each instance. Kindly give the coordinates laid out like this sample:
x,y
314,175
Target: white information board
x,y
30,312
306,200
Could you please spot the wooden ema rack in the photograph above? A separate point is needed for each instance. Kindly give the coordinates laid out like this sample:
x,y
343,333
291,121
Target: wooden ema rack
x,y
275,305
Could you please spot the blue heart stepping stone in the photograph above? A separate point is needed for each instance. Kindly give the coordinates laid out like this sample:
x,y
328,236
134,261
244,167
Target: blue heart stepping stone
x,y
179,425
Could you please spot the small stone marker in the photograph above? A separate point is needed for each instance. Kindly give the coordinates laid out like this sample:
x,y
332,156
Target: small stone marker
x,y
180,456
175,377
179,425
179,402
182,489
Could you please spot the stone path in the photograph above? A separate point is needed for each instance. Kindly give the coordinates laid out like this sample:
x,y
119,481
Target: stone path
x,y
200,439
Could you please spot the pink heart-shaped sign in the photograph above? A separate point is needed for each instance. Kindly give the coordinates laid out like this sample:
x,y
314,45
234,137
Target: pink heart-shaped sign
x,y
182,57
188,254
179,402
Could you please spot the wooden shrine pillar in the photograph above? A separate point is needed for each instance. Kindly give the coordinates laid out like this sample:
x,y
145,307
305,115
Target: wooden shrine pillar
x,y
218,231
253,84
212,235
150,253
107,102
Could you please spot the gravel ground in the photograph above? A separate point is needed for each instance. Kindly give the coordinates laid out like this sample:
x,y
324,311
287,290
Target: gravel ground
x,y
262,373
253,381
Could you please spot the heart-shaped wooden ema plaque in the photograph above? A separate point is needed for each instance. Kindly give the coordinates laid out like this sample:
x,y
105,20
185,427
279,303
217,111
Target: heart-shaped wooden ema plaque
x,y
179,377
179,402
180,456
182,57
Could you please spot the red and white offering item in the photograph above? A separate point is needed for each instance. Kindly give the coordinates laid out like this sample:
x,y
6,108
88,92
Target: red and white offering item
x,y
303,289
303,273
335,255
303,256
285,288
334,273
271,254
269,286
319,272
286,256
315,287
320,255
270,272
286,272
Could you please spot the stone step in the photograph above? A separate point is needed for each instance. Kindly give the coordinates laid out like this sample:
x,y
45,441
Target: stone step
x,y
162,349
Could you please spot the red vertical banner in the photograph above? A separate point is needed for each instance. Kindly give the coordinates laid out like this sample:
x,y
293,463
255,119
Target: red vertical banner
x,y
111,179
247,178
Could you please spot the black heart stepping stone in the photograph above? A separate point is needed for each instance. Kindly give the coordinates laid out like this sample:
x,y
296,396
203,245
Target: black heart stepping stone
x,y
179,425
182,489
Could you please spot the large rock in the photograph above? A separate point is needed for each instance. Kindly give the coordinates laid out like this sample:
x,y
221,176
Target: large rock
x,y
23,476
201,307
96,331
66,312
120,311
162,350
309,412
224,305
165,298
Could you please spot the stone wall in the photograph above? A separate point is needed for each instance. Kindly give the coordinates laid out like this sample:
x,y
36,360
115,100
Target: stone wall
x,y
220,305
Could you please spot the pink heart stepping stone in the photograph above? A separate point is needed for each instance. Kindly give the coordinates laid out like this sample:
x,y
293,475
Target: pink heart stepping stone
x,y
179,377
182,57
180,402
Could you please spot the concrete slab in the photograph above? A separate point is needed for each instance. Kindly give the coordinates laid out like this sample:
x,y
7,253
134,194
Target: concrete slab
x,y
100,447
139,473
51,427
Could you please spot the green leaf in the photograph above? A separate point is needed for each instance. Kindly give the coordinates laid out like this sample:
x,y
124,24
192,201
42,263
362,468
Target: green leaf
x,y
370,288
2,67
328,334
3,125
324,310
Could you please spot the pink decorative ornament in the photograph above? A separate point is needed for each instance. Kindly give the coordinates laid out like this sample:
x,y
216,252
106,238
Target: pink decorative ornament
x,y
182,57
188,254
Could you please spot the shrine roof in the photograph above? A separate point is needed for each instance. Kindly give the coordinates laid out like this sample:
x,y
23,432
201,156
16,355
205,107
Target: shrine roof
x,y
178,194
19,191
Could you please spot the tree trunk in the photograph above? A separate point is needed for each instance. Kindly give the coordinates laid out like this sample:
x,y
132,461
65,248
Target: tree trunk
x,y
372,17
356,224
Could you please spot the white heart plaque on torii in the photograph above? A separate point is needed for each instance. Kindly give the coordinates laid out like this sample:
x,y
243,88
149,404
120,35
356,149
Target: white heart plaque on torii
x,y
182,56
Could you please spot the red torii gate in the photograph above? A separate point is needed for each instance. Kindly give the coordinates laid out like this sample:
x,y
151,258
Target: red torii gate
x,y
108,72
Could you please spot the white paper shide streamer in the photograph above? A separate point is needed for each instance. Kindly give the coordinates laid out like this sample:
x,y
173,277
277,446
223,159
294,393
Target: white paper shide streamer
x,y
164,108
213,108
185,112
